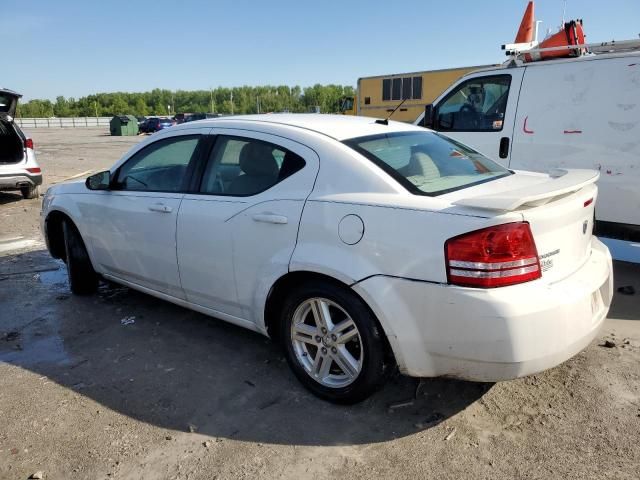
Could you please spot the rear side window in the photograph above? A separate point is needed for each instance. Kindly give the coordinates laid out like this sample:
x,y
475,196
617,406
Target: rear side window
x,y
427,163
245,166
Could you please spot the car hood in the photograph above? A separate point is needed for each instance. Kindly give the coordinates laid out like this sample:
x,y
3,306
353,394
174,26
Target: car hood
x,y
75,186
8,103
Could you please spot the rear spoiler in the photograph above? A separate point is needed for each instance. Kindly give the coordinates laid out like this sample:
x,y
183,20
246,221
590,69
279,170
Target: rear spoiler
x,y
560,182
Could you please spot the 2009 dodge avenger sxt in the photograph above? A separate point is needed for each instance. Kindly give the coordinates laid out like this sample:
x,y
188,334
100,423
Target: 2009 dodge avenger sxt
x,y
357,243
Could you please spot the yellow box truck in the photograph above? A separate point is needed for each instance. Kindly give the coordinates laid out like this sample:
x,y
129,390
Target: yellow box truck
x,y
378,96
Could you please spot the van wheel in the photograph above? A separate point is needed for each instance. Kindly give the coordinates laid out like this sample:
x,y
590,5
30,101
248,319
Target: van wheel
x,y
83,279
29,192
332,343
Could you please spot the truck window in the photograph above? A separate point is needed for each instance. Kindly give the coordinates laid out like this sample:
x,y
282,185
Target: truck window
x,y
477,105
417,88
386,89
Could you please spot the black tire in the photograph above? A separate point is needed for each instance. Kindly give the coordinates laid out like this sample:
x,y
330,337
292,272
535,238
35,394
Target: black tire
x,y
83,279
29,192
372,372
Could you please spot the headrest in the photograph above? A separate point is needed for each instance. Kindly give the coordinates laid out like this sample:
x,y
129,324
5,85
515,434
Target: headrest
x,y
257,159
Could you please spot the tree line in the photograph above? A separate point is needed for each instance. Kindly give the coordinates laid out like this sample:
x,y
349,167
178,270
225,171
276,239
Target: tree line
x,y
237,100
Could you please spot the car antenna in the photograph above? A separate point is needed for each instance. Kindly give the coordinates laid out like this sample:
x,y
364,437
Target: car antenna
x,y
386,120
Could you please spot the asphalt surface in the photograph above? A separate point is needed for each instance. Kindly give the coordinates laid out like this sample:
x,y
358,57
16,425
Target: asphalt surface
x,y
123,385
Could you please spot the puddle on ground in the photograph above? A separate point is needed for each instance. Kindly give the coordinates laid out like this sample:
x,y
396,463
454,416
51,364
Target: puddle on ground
x,y
57,278
34,350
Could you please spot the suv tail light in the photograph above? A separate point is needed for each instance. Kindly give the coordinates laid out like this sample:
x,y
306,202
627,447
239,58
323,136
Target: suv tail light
x,y
28,143
493,257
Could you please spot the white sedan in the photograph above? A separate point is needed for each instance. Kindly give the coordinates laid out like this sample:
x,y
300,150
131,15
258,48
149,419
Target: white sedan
x,y
358,244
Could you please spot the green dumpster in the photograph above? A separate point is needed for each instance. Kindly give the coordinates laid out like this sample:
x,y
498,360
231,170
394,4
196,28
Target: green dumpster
x,y
123,125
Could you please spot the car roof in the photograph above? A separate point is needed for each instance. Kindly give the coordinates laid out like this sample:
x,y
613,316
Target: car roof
x,y
339,127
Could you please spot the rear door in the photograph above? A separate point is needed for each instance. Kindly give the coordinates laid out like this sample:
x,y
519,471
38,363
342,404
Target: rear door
x,y
8,103
237,235
479,111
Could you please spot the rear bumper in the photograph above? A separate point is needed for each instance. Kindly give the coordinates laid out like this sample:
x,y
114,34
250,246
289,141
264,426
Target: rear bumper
x,y
11,181
492,334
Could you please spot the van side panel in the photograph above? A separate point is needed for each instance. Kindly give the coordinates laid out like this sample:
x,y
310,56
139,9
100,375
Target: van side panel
x,y
585,114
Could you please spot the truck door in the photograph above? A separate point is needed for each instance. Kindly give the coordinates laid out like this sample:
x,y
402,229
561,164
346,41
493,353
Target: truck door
x,y
480,111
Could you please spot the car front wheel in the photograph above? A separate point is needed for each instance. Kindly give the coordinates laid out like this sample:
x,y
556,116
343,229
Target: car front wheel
x,y
83,280
333,343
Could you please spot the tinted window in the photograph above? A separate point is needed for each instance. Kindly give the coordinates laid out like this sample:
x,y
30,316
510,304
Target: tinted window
x,y
161,166
242,166
406,88
427,163
476,105
417,88
397,89
386,89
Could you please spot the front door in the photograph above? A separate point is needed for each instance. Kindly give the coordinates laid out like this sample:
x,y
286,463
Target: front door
x,y
133,225
479,112
237,235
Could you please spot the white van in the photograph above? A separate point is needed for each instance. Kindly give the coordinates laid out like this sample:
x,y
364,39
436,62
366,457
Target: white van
x,y
581,112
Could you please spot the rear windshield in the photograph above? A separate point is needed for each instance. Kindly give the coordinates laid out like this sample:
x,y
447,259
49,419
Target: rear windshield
x,y
427,163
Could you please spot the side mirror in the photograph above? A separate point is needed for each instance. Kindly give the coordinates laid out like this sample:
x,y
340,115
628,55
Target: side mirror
x,y
99,181
445,121
427,121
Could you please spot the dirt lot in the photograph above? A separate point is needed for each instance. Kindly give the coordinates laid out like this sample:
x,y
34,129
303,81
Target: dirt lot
x,y
180,395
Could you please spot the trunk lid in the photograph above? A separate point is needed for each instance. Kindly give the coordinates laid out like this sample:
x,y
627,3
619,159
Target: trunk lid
x,y
8,103
558,206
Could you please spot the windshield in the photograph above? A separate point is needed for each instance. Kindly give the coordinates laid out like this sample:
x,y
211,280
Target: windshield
x,y
428,163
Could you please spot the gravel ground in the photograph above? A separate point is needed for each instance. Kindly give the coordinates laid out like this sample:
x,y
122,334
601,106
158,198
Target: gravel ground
x,y
180,395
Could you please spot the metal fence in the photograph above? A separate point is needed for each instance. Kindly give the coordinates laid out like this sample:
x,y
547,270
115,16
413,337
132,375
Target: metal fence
x,y
70,122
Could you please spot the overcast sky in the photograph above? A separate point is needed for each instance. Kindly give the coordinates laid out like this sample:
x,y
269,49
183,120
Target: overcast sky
x,y
77,47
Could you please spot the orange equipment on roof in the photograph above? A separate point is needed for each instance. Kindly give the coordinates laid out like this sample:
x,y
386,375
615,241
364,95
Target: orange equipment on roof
x,y
571,34
527,26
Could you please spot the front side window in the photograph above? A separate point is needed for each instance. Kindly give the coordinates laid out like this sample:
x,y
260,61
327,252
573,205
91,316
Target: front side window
x,y
160,167
242,166
477,105
427,163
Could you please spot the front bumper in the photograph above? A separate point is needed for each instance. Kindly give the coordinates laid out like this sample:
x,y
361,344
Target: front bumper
x,y
11,181
492,334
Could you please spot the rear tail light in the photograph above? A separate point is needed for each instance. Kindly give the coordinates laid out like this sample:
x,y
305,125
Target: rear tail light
x,y
28,143
493,257
34,170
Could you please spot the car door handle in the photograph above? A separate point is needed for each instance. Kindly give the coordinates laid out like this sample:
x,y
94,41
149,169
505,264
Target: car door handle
x,y
503,151
270,218
160,207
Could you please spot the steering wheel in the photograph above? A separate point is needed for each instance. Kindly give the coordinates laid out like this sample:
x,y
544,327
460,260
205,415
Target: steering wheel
x,y
467,107
470,115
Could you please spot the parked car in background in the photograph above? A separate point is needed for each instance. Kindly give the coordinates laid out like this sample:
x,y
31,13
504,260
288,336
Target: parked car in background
x,y
200,116
181,117
141,119
359,244
155,124
18,167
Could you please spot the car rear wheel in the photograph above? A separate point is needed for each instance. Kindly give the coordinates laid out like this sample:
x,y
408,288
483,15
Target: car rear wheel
x,y
30,191
83,279
333,343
